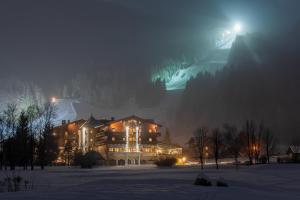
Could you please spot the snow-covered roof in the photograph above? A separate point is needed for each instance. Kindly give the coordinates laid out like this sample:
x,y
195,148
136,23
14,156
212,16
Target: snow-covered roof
x,y
294,149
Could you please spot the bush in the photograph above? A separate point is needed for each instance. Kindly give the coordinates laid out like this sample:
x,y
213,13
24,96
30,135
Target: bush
x,y
202,180
166,162
13,183
221,183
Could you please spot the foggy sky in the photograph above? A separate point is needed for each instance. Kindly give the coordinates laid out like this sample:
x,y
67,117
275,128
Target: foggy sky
x,y
64,37
106,49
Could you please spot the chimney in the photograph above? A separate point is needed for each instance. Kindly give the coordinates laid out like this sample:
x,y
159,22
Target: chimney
x,y
63,122
112,119
69,121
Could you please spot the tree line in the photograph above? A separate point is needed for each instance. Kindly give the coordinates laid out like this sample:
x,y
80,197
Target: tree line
x,y
256,142
26,137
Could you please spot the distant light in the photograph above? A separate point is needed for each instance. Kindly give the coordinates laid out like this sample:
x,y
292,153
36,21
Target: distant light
x,y
53,100
237,28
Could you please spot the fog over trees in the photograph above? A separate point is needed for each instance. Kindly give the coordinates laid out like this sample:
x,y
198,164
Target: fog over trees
x,y
106,57
259,82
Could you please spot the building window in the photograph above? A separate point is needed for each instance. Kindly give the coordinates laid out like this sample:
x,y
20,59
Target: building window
x,y
150,131
150,139
54,134
113,139
113,130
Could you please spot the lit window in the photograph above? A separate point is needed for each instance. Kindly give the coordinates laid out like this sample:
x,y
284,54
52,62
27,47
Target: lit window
x,y
113,139
150,139
54,134
150,131
113,129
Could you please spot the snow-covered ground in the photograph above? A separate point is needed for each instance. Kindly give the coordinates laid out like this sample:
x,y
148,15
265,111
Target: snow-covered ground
x,y
148,182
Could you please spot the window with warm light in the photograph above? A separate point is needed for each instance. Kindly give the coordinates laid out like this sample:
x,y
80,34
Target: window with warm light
x,y
113,139
150,139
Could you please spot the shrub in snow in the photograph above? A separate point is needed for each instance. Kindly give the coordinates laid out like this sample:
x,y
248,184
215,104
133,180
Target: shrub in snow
x,y
13,183
202,180
166,162
221,183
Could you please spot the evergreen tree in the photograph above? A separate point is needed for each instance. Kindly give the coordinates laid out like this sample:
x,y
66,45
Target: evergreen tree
x,y
22,141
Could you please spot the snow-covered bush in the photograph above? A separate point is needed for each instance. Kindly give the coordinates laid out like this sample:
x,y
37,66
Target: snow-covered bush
x,y
203,180
13,183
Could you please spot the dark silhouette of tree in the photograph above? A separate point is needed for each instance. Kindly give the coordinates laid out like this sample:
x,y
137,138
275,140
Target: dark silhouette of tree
x,y
2,126
33,115
10,119
200,141
22,141
269,143
250,131
217,142
68,152
47,146
233,142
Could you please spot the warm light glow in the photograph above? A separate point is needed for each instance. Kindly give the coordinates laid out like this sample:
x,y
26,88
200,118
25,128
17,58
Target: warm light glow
x,y
127,138
53,100
137,138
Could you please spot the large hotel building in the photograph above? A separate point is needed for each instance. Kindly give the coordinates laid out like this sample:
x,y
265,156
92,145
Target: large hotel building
x,y
130,140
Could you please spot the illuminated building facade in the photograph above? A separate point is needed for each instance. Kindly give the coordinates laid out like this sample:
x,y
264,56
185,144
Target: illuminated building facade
x,y
130,140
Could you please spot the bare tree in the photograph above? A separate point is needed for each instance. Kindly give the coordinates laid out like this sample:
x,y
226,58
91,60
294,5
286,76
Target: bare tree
x,y
257,143
250,131
269,143
200,143
233,142
217,142
47,147
33,116
68,152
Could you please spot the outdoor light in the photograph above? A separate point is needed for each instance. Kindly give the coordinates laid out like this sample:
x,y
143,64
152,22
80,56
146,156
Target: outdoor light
x,y
237,28
53,100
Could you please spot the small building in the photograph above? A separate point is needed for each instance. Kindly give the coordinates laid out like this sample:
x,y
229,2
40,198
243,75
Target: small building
x,y
294,153
129,140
